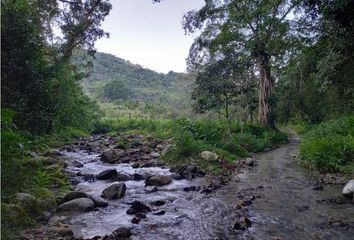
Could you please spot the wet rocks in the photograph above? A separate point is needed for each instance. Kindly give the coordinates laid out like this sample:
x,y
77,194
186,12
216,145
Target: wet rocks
x,y
158,180
107,174
135,165
242,223
121,232
136,220
115,191
73,195
78,204
159,213
122,177
186,172
138,207
138,177
348,189
318,188
209,156
158,203
112,155
249,162
99,202
176,176
77,164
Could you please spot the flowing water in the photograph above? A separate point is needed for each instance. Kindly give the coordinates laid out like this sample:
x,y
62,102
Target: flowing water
x,y
284,204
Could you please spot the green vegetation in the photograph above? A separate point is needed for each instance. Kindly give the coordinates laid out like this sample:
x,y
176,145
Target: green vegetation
x,y
190,138
133,90
329,147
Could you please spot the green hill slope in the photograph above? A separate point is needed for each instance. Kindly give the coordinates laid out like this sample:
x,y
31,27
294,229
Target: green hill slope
x,y
119,83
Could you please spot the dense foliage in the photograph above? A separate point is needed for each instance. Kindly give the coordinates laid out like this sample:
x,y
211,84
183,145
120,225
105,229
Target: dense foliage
x,y
329,146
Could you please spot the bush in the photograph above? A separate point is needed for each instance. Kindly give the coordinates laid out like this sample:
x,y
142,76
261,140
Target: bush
x,y
251,142
329,147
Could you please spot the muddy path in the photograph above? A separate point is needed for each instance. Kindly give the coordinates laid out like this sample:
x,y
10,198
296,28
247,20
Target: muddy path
x,y
291,202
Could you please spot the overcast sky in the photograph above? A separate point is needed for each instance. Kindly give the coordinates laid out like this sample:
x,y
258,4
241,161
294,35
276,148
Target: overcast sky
x,y
149,34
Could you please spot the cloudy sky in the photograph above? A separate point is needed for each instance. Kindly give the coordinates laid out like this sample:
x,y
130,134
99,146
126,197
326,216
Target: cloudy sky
x,y
149,34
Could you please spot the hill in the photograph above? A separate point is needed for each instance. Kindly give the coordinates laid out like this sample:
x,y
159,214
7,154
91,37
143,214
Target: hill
x,y
115,80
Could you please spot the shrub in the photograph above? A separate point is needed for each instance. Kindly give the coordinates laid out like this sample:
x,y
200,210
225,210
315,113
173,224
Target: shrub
x,y
329,147
251,142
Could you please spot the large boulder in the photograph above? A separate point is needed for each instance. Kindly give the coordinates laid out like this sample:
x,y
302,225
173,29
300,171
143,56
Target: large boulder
x,y
115,191
121,177
107,174
121,233
209,156
73,195
348,190
158,180
78,204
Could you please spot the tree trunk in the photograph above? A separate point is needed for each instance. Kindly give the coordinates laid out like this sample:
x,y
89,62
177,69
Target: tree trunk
x,y
265,107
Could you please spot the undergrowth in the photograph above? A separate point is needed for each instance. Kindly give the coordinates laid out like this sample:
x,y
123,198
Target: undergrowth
x,y
329,146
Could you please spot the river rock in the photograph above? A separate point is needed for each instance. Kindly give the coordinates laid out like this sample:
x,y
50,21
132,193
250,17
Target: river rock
x,y
107,174
99,202
160,147
348,190
209,156
249,161
77,164
73,195
242,224
166,150
158,203
121,177
138,207
112,155
78,204
135,165
155,155
138,177
159,213
121,233
158,180
177,176
115,191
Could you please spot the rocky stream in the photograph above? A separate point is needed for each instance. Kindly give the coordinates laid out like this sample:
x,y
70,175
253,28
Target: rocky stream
x,y
123,191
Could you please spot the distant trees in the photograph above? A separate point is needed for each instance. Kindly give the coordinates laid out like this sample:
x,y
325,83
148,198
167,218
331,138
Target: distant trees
x,y
259,30
117,89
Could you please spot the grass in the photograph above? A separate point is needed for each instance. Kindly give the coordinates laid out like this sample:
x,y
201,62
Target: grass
x,y
329,146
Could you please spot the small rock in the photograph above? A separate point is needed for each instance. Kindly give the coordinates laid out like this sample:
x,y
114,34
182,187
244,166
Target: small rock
x,y
160,147
176,176
348,189
121,177
107,174
121,232
155,155
209,156
65,232
135,165
246,203
249,162
154,189
159,213
187,175
136,220
114,191
242,224
318,188
138,177
140,215
77,164
138,207
158,180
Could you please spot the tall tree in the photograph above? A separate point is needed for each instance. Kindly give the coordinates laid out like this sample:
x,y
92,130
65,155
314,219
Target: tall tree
x,y
258,29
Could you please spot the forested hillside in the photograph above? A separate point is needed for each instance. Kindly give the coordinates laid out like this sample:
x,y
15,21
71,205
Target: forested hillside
x,y
113,79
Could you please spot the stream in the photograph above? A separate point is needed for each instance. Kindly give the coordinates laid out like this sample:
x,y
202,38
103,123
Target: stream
x,y
277,195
